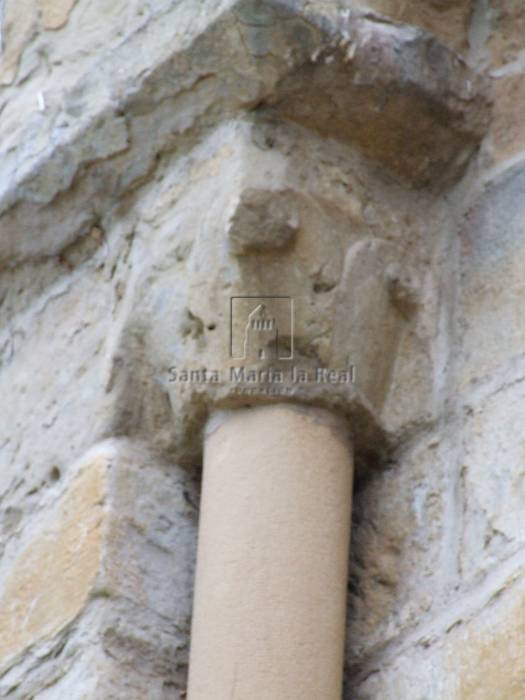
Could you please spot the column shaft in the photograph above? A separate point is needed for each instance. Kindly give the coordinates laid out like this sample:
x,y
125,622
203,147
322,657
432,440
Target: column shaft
x,y
270,594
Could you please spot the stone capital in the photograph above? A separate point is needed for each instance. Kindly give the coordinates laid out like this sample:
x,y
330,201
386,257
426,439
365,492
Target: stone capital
x,y
269,224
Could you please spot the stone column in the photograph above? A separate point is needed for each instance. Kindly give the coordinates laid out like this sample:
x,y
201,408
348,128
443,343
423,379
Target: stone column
x,y
270,595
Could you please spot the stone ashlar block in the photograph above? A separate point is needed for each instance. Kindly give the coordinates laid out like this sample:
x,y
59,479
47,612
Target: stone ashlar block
x,y
400,561
492,313
372,81
493,481
122,534
472,652
50,580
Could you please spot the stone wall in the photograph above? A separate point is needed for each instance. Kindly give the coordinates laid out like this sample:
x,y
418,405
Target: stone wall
x,y
130,134
437,599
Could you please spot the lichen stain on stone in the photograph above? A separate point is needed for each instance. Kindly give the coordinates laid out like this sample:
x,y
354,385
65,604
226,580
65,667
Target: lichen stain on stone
x,y
18,24
49,583
54,14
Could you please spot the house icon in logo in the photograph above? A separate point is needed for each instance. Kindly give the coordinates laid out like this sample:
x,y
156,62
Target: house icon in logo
x,y
261,328
261,334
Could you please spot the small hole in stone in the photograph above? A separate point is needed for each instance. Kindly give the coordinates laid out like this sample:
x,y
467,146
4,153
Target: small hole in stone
x,y
55,474
323,287
212,327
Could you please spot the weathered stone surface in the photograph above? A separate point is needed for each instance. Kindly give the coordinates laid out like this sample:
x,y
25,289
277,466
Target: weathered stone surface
x,y
102,583
74,296
312,60
486,653
446,19
19,22
17,25
128,138
417,674
508,26
507,133
263,220
400,562
471,653
470,649
121,344
49,581
54,13
492,313
492,475
368,316
168,324
373,81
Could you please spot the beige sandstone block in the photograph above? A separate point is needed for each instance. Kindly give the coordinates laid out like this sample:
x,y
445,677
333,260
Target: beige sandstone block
x,y
483,653
49,582
55,13
508,128
490,653
99,589
508,29
472,653
18,25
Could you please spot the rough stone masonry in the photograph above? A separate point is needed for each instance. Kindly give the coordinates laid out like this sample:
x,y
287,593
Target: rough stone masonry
x,y
158,159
